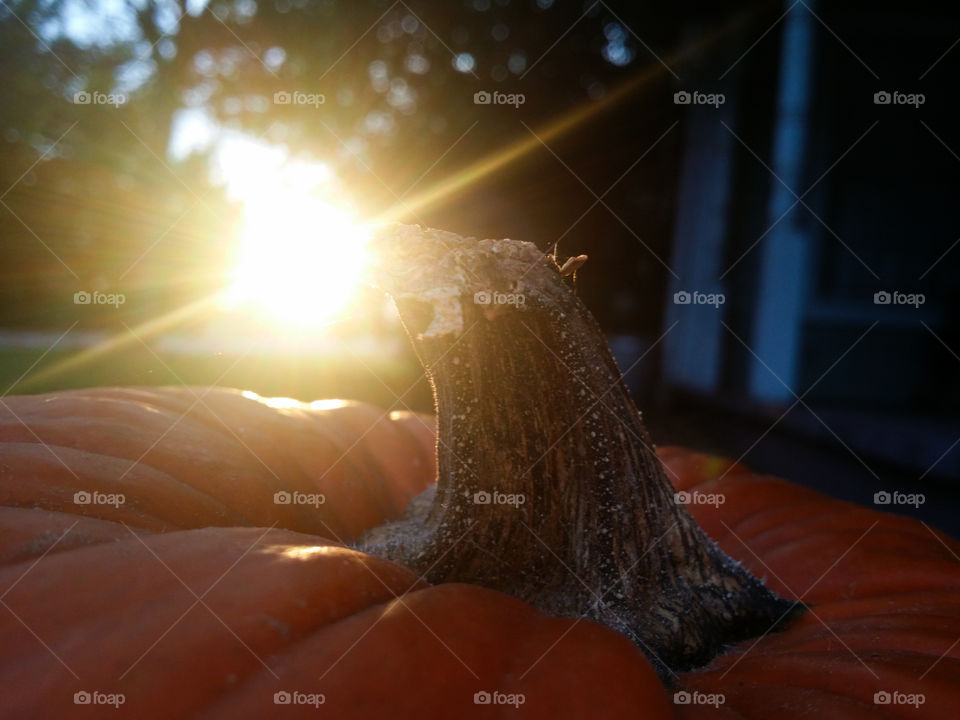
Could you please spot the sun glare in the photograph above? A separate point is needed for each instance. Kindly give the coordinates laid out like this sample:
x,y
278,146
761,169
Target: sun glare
x,y
300,255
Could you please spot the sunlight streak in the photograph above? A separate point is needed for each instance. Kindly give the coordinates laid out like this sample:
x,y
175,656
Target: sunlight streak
x,y
450,186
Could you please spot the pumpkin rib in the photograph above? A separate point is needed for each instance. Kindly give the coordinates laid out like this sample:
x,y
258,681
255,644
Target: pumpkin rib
x,y
614,663
184,452
110,621
405,433
618,678
414,431
182,449
793,520
896,603
363,472
786,700
223,461
853,576
32,475
27,533
869,634
794,504
839,674
353,420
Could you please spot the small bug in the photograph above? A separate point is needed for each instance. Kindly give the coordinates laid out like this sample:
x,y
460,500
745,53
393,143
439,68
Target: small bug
x,y
572,265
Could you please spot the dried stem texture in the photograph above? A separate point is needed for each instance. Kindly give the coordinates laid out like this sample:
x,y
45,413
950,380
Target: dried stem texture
x,y
548,487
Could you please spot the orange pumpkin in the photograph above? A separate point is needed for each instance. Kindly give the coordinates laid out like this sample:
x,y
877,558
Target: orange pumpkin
x,y
158,602
146,600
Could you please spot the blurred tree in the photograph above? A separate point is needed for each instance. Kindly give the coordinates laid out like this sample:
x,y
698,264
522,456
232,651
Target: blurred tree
x,y
110,204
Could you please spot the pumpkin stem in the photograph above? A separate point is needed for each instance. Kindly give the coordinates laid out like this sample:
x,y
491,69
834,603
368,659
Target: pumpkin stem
x,y
548,487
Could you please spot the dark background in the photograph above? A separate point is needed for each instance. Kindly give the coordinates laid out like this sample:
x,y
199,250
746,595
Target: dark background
x,y
799,372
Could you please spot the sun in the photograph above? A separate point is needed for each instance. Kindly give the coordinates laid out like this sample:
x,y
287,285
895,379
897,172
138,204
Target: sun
x,y
300,259
300,256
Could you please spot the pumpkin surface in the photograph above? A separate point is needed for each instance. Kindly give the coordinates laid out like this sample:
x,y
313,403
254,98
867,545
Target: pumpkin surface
x,y
198,596
884,592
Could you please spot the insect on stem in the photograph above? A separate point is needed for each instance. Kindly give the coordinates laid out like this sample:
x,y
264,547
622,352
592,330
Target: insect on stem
x,y
572,265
